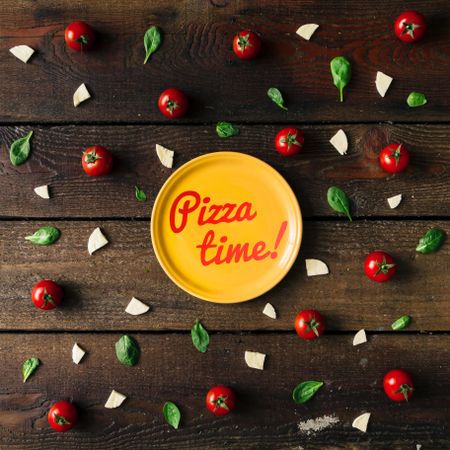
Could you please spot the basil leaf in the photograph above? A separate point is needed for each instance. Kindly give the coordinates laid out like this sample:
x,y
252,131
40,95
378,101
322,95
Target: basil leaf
x,y
127,351
275,95
339,201
341,72
401,323
20,150
44,236
304,391
226,130
416,99
172,414
431,241
200,337
141,196
28,368
152,41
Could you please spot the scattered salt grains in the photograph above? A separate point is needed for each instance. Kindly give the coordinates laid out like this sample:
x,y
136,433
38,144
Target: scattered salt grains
x,y
312,426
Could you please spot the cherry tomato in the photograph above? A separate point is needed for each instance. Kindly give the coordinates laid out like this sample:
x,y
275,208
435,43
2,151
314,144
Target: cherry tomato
x,y
173,103
289,141
79,36
246,45
221,400
394,158
379,266
309,324
62,416
398,385
47,294
410,26
97,161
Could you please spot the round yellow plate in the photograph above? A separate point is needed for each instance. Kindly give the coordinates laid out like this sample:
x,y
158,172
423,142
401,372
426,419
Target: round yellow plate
x,y
226,227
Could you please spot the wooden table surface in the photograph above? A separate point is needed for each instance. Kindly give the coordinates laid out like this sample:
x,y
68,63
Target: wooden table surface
x,y
122,115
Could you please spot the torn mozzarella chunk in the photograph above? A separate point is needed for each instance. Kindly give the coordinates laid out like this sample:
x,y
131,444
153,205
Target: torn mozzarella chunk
x,y
307,30
136,307
42,191
382,82
269,311
339,142
394,201
361,422
316,267
80,95
360,337
255,360
77,353
165,156
96,241
115,399
22,52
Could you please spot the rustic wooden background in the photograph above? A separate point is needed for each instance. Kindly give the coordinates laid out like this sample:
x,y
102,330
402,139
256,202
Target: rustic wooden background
x,y
122,115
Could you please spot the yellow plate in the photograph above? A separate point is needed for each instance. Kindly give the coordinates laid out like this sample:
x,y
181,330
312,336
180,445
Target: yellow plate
x,y
226,227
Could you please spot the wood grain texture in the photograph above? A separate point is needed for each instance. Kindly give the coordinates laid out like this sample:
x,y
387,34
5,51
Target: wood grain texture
x,y
267,418
99,287
56,160
196,56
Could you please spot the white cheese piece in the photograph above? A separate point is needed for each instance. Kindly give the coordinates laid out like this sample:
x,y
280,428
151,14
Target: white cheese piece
x,y
22,52
80,95
339,142
96,241
136,307
269,311
360,337
77,353
165,156
255,360
361,422
307,30
316,267
42,191
115,399
394,201
382,82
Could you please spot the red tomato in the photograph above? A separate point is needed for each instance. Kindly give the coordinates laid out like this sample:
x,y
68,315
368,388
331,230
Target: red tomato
x,y
289,141
394,158
173,103
246,45
379,266
47,294
398,385
410,26
62,416
97,161
309,324
221,400
79,36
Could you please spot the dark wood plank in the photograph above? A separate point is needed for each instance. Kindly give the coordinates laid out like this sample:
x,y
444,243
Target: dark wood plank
x,y
171,369
56,160
196,56
99,287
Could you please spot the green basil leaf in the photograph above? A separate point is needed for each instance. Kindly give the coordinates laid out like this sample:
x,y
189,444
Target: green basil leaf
x,y
141,196
304,391
44,236
341,71
431,241
200,337
416,99
152,41
28,368
226,129
339,201
275,95
172,414
401,323
127,351
20,150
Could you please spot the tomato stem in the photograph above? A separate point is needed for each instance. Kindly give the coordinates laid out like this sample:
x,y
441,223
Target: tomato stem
x,y
404,389
220,402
